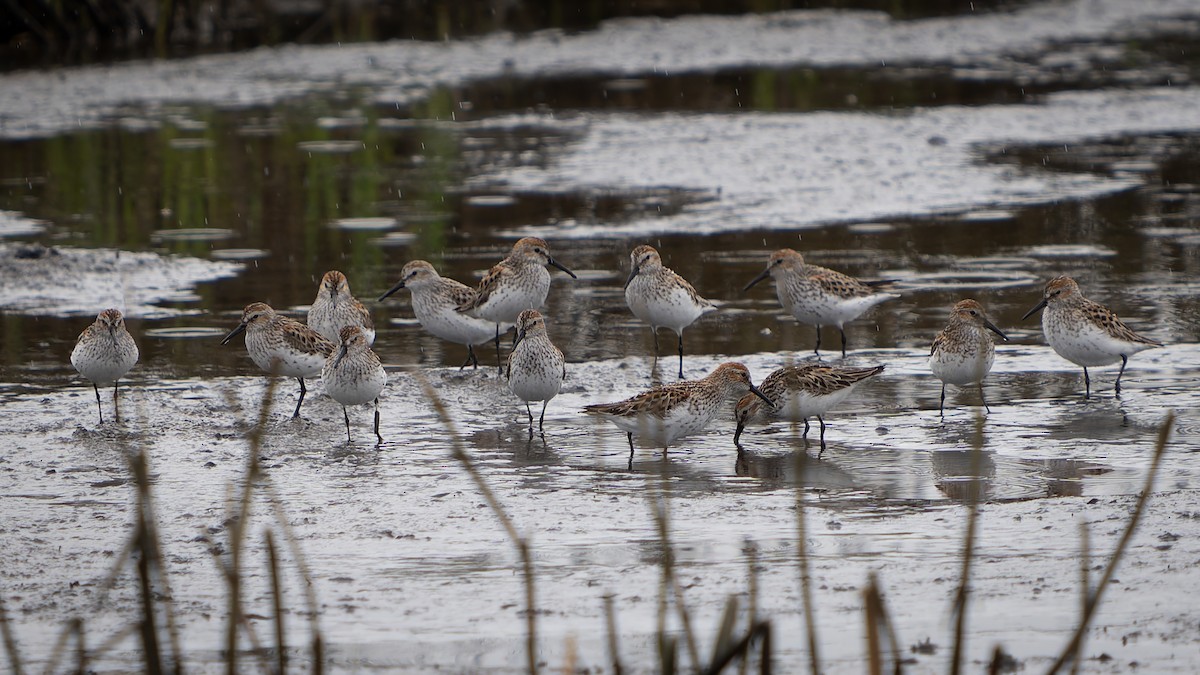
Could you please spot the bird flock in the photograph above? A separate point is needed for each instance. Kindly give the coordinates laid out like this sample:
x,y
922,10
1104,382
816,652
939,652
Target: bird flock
x,y
335,342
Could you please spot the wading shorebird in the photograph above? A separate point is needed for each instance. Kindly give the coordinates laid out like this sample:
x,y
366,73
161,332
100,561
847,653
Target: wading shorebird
x,y
336,307
963,352
435,300
669,412
798,393
517,283
353,374
660,297
1084,332
819,296
104,352
282,346
536,368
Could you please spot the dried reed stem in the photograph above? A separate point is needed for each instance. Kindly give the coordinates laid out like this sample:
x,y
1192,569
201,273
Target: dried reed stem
x,y
1071,651
610,623
810,621
277,606
519,542
968,554
670,580
10,641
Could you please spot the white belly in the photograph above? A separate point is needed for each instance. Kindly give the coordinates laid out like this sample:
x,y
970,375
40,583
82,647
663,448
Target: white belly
x,y
961,369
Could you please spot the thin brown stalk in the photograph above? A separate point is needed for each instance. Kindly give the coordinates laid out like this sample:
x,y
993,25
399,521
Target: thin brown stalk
x,y
1085,621
872,612
237,531
316,641
277,605
879,623
151,650
1085,583
610,623
519,542
81,659
670,579
10,641
806,595
751,550
113,640
760,631
968,554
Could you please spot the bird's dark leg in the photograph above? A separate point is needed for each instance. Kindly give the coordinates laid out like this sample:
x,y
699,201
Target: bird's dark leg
x,y
498,348
1087,384
377,422
817,351
1124,360
942,405
843,332
529,412
471,360
654,329
346,415
303,391
981,397
630,435
542,419
822,421
99,409
805,434
117,410
681,356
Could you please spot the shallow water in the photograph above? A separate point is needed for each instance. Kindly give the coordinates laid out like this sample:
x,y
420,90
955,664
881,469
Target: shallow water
x,y
979,172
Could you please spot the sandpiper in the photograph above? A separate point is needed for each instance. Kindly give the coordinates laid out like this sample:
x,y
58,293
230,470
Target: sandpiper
x,y
336,307
104,352
800,392
536,368
666,413
819,296
353,374
1084,332
282,346
435,300
660,297
517,283
962,352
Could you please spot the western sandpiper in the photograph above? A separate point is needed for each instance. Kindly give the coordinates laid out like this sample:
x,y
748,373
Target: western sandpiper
x,y
662,298
800,392
669,412
517,283
435,300
962,352
353,374
282,346
536,368
1084,332
104,352
819,296
336,307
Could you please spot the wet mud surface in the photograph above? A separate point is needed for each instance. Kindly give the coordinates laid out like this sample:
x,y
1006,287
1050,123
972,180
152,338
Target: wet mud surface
x,y
963,156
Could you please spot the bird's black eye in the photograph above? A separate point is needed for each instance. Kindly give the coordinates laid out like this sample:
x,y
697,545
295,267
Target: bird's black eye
x,y
974,313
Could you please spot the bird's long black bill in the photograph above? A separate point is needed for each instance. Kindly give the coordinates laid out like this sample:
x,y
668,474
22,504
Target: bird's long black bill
x,y
341,354
1035,310
992,327
762,275
754,390
632,273
395,288
555,263
241,327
